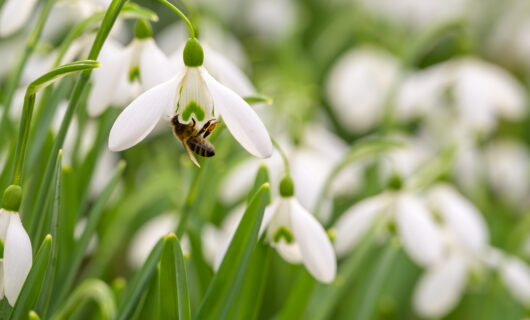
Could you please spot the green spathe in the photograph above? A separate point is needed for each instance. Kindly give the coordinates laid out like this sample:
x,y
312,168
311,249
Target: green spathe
x,y
193,54
287,187
12,198
143,29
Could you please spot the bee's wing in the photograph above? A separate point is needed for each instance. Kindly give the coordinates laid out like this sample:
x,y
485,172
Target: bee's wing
x,y
191,155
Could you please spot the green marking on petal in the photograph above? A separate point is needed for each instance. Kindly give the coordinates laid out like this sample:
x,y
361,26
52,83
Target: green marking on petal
x,y
284,233
134,74
1,249
191,108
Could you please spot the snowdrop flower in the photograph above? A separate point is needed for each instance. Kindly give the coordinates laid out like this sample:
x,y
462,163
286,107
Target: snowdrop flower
x,y
17,255
416,227
480,93
14,14
515,274
298,236
359,85
125,72
147,237
417,14
466,237
194,95
508,170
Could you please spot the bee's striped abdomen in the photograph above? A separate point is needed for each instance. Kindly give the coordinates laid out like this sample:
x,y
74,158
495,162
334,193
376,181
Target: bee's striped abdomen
x,y
201,147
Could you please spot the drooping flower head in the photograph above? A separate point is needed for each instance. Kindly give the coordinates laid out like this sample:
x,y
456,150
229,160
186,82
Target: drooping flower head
x,y
16,257
196,97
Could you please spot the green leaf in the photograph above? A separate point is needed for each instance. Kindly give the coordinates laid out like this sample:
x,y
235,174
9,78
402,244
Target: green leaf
x,y
174,296
258,99
91,289
138,284
94,217
251,294
59,72
296,303
261,177
32,286
226,283
331,294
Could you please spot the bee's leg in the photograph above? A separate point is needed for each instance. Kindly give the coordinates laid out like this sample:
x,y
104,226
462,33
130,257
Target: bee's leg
x,y
210,128
204,127
193,122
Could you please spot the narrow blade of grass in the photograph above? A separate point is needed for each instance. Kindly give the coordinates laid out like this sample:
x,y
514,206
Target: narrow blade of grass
x,y
226,283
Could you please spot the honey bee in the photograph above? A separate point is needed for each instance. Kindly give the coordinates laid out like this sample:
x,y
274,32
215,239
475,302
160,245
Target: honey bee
x,y
193,140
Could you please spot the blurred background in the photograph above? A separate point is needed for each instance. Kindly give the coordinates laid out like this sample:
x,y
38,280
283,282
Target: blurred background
x,y
448,79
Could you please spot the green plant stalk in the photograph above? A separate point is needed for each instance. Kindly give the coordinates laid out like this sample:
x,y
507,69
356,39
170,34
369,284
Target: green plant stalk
x,y
277,146
91,289
29,104
182,15
82,244
382,270
14,78
32,286
108,21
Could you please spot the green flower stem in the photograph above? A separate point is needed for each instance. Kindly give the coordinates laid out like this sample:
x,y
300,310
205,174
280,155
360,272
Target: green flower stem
x,y
182,15
377,281
29,103
282,153
91,289
14,78
108,21
360,150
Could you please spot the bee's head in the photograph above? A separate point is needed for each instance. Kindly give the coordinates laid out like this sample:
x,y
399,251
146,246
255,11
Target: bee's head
x,y
175,120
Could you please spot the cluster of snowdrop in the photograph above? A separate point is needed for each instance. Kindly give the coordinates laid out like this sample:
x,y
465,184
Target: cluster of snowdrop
x,y
460,105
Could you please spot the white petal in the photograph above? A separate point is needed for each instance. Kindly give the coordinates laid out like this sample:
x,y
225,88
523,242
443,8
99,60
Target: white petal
x,y
227,73
421,236
238,182
1,279
516,277
355,222
4,222
155,67
17,258
141,116
290,252
106,79
440,288
462,218
241,120
194,89
315,246
14,14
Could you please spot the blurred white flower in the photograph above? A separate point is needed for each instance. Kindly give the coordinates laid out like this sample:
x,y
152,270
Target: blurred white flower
x,y
359,85
191,92
215,241
146,238
79,228
125,72
508,170
417,229
299,238
271,20
466,237
17,255
14,15
417,14
515,274
467,93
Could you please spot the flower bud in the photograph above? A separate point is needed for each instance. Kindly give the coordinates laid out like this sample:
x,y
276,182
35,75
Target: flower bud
x,y
287,187
193,54
12,198
143,29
